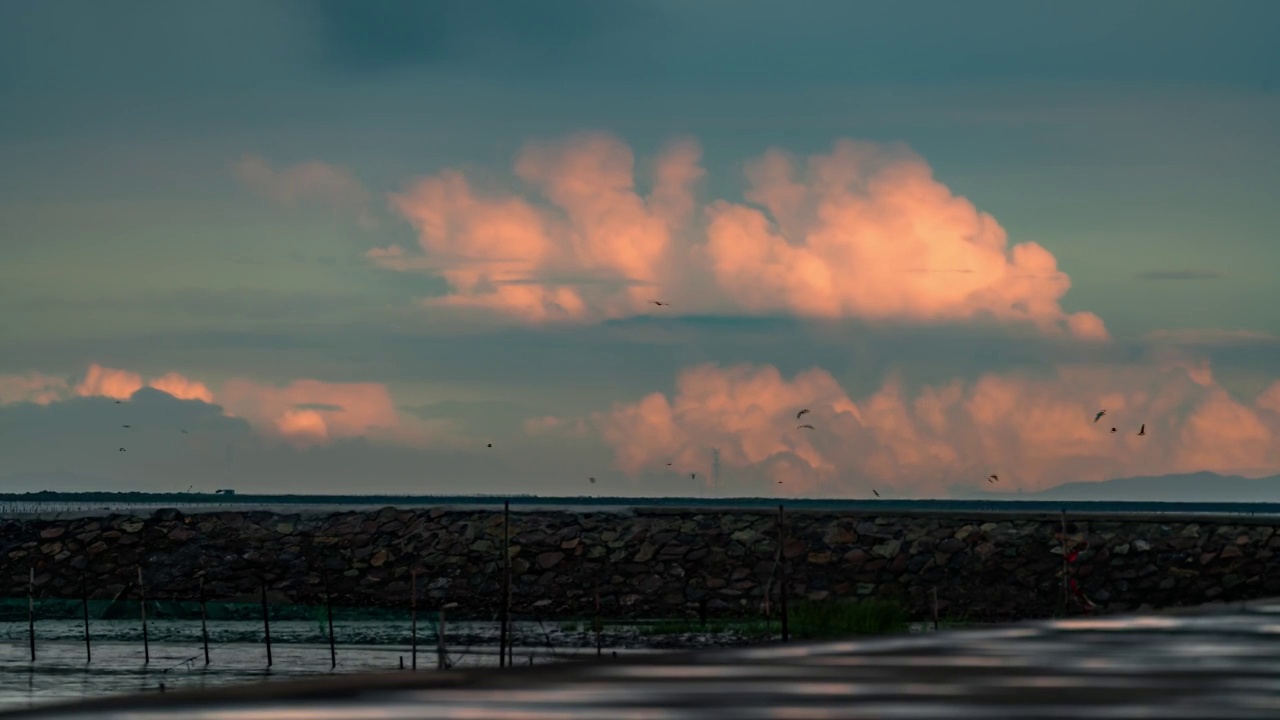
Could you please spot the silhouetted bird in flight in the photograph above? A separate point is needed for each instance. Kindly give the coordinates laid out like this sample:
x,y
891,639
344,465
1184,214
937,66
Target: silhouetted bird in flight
x,y
184,432
877,493
1098,417
668,464
1113,429
120,450
802,412
993,478
593,480
693,476
804,427
1142,430
659,302
117,402
490,445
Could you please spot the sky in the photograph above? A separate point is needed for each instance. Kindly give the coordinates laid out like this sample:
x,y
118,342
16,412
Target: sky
x,y
317,246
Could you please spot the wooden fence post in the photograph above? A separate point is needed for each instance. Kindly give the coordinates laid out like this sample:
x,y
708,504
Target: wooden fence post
x,y
142,606
782,568
504,630
84,603
204,623
413,617
31,610
266,621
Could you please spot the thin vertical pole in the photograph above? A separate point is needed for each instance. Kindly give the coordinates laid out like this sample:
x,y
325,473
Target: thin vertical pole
x,y
599,626
440,657
84,603
204,623
506,583
266,621
782,568
1065,583
31,610
413,617
935,607
142,606
328,609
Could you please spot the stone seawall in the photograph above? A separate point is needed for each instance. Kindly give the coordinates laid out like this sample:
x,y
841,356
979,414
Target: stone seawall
x,y
645,563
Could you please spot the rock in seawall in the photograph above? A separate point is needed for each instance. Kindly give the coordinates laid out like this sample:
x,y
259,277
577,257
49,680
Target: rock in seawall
x,y
650,563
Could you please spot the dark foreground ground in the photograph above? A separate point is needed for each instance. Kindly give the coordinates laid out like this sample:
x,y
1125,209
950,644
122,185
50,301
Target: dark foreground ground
x,y
1213,663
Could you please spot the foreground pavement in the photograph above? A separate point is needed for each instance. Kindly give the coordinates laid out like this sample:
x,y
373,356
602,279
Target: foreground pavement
x,y
1219,663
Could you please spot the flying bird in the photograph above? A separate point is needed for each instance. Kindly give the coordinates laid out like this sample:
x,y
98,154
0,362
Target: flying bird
x,y
120,450
1113,429
693,476
1142,430
802,412
490,445
126,426
804,427
877,492
593,480
1098,417
993,478
184,432
659,302
118,402
668,464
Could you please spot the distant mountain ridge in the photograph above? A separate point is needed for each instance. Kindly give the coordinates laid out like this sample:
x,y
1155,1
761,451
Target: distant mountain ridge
x,y
1193,487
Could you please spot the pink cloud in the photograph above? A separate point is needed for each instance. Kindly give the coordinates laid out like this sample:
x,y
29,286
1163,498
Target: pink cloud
x,y
32,387
102,381
310,412
312,180
1033,432
303,413
182,388
595,247
863,231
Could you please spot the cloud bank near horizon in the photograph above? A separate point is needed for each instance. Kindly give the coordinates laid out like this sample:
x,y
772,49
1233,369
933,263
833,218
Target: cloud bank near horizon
x,y
1032,431
304,413
863,231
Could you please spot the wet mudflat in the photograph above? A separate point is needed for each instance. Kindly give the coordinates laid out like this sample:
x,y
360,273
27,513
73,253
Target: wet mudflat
x,y
1222,663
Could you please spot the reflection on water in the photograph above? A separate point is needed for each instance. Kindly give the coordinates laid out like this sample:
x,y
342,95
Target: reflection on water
x,y
1222,665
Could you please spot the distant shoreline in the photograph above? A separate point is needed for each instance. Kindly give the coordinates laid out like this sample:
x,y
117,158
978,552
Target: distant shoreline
x,y
63,505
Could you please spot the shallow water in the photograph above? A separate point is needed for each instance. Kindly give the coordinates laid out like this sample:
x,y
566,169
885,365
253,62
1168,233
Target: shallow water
x,y
1225,664
237,652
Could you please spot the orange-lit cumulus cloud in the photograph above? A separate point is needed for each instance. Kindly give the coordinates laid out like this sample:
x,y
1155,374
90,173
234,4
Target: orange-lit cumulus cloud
x,y
182,388
862,231
1033,432
600,250
302,413
310,412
